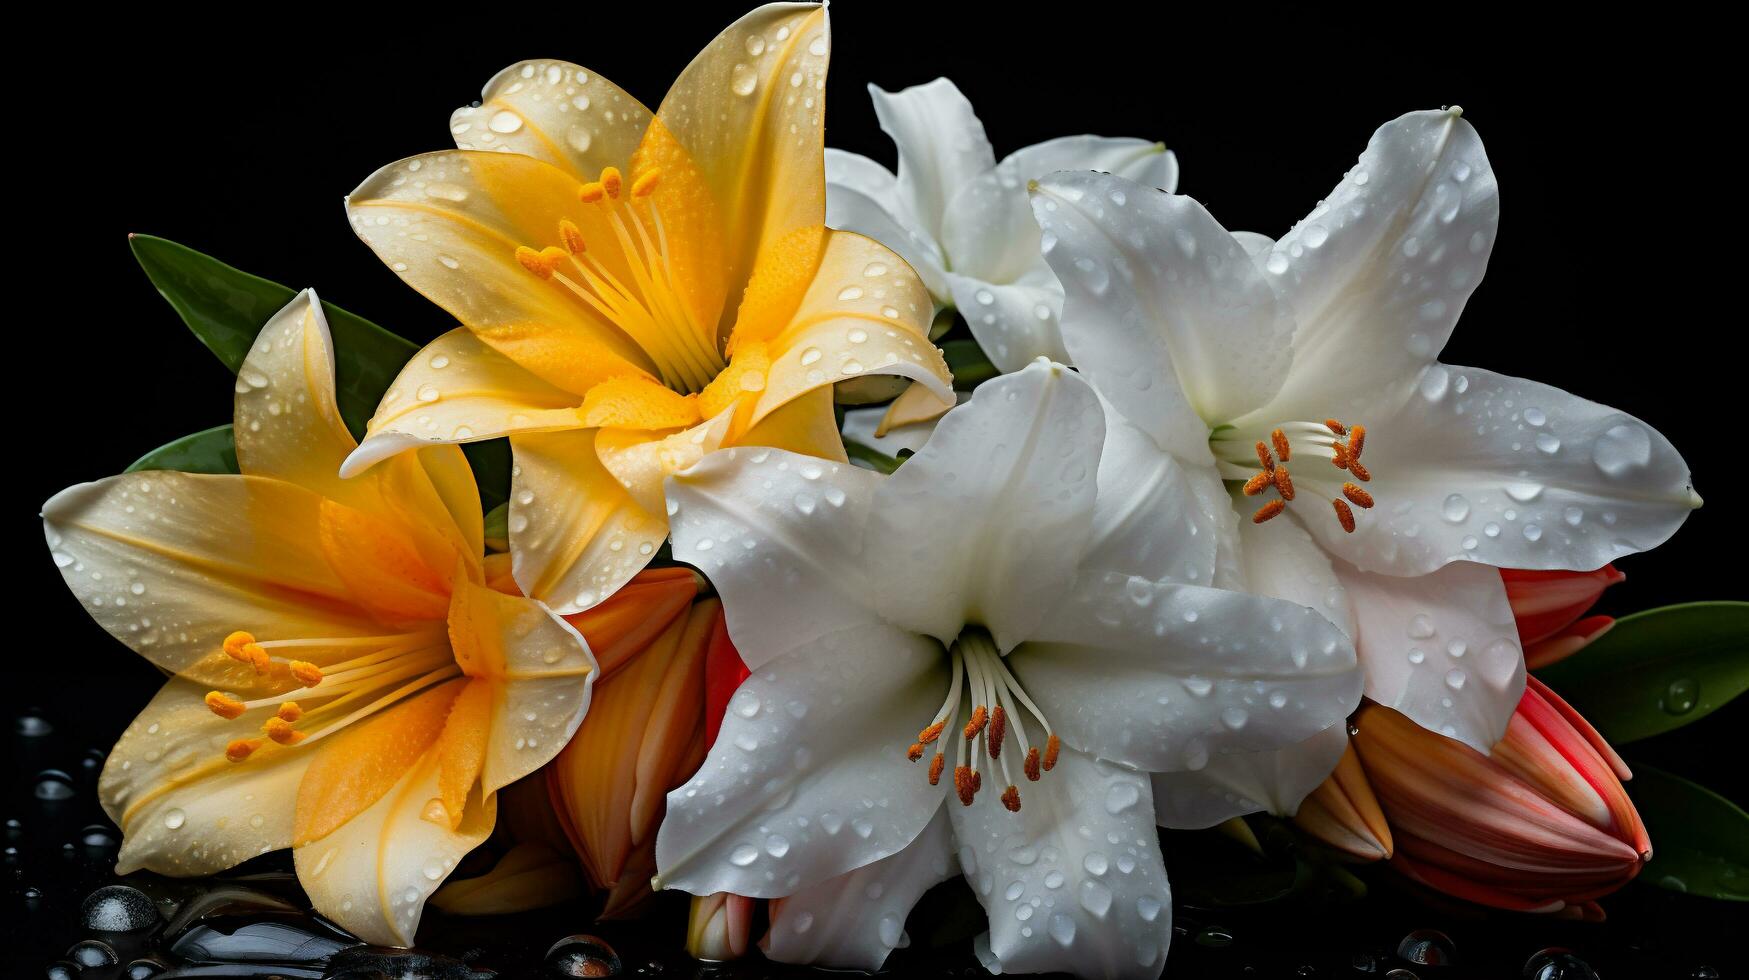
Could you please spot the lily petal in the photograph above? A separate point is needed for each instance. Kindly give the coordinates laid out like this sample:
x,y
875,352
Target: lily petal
x,y
1379,271
862,196
853,921
1281,559
1074,882
1487,468
1192,336
787,797
1152,516
773,528
1274,782
184,809
941,146
1440,648
1163,677
556,112
1013,322
287,424
576,534
1147,163
372,874
1023,455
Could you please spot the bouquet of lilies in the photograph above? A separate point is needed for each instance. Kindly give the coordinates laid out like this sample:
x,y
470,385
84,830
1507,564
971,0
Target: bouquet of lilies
x,y
776,527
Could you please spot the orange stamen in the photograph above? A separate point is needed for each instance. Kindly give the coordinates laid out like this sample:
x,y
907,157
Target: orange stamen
x,y
223,706
1052,746
611,181
307,673
1339,457
1281,445
646,183
1268,511
1356,441
1264,459
240,748
1360,472
980,715
290,711
1344,515
1031,765
591,192
931,733
282,732
1335,426
1356,494
998,728
1284,484
1256,484
977,781
962,784
935,766
915,752
1011,799
572,236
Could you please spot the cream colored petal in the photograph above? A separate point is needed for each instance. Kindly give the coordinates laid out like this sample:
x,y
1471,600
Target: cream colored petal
x,y
183,808
749,111
171,563
641,461
287,425
373,873
449,224
576,535
866,312
807,425
458,389
557,112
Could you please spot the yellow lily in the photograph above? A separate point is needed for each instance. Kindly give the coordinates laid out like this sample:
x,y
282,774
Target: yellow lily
x,y
636,290
345,682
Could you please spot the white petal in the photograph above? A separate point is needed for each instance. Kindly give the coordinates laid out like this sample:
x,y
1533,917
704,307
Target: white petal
x,y
988,231
1147,163
1377,274
808,777
849,209
860,425
1440,648
1247,782
777,534
1281,559
853,921
1255,245
373,873
1074,881
987,522
853,171
1162,677
1483,467
941,145
1013,323
1163,309
1149,520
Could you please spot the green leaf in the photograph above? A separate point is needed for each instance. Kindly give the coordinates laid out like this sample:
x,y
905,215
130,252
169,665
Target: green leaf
x,y
497,528
208,451
226,308
968,363
1700,840
875,459
1658,670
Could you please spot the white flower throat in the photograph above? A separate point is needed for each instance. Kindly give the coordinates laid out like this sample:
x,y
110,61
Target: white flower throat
x,y
984,682
1262,464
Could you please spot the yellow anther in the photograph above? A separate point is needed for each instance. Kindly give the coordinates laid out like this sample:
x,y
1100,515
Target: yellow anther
x,y
308,673
281,731
646,182
1282,449
535,262
1052,746
240,748
591,192
1264,459
1268,511
1284,484
935,766
915,752
290,711
1356,441
1360,497
223,706
980,717
241,646
1011,799
1030,767
611,181
931,733
1257,484
1344,515
998,728
572,236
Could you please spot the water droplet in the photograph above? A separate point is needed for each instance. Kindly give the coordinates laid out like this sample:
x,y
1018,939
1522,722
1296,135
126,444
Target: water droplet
x,y
53,784
1121,796
743,855
1062,929
1427,947
1454,679
1681,696
504,121
1621,449
1095,863
1421,627
1095,898
118,908
891,930
572,956
174,818
1456,508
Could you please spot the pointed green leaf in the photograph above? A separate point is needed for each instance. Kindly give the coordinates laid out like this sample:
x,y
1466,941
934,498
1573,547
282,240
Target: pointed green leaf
x,y
874,458
1700,840
226,308
969,364
208,451
1659,669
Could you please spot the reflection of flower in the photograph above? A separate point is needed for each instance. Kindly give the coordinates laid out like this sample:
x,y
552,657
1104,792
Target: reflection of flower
x,y
1540,824
961,218
956,614
1247,359
346,683
636,289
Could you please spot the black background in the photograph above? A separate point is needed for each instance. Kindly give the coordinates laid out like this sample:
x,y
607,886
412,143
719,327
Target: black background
x,y
1615,274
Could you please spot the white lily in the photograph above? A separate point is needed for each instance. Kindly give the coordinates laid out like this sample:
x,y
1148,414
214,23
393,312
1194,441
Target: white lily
x,y
966,595
961,219
1238,356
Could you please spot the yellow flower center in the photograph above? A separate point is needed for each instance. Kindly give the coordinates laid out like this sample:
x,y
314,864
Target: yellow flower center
x,y
1262,464
368,673
995,695
646,305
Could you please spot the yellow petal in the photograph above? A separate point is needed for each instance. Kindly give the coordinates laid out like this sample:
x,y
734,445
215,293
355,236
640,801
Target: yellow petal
x,y
450,224
381,567
372,874
749,111
641,461
918,403
865,313
529,876
576,535
782,274
806,425
461,748
172,563
353,769
540,673
554,111
637,403
183,808
452,480
456,390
